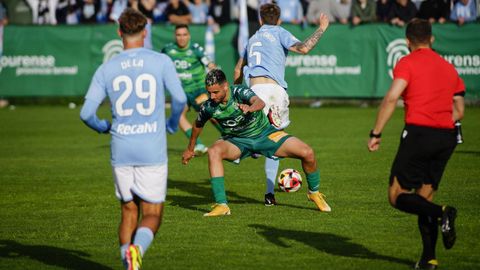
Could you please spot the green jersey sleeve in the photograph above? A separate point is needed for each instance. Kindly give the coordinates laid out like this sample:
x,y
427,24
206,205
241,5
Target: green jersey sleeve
x,y
200,54
243,93
204,114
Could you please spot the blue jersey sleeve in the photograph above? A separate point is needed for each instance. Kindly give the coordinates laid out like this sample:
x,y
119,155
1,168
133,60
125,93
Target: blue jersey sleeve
x,y
98,89
287,39
95,95
88,114
179,99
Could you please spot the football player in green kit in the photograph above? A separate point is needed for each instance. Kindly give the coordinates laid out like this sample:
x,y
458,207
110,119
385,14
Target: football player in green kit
x,y
190,61
246,130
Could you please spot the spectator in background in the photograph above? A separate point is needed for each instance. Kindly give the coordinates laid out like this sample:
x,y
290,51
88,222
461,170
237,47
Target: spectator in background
x,y
104,12
18,12
118,7
341,10
199,11
401,12
3,19
146,7
363,11
43,11
383,10
88,10
317,7
177,13
66,12
292,11
434,10
464,11
159,11
218,14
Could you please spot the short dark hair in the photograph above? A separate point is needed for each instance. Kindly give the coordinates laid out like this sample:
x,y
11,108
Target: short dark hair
x,y
270,13
215,76
132,22
419,31
178,26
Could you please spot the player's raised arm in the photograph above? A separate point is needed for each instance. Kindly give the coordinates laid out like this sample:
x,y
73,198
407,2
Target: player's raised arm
x,y
179,99
308,44
238,72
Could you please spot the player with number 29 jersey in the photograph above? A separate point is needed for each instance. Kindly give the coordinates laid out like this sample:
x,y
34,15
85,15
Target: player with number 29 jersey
x,y
135,82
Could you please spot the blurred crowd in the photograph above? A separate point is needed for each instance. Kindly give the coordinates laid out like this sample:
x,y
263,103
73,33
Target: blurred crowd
x,y
220,12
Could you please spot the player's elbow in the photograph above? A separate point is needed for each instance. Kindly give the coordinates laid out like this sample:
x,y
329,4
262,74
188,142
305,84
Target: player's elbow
x,y
304,51
85,115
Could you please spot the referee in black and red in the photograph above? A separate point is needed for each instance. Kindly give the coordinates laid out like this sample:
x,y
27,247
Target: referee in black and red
x,y
433,95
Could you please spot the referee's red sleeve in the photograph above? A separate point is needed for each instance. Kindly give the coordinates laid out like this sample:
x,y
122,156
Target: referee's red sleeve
x,y
460,86
402,70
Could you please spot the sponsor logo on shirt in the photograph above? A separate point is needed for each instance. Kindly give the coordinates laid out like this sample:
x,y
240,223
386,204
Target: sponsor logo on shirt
x,y
144,128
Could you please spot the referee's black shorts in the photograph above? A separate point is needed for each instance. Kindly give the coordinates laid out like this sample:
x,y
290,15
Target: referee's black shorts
x,y
422,156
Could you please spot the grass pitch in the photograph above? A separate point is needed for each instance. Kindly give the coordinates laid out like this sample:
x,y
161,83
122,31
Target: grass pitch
x,y
58,209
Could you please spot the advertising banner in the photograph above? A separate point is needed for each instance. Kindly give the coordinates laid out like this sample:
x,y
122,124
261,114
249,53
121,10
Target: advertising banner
x,y
348,62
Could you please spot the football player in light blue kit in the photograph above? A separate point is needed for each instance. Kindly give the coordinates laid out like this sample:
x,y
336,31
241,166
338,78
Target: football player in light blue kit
x,y
135,81
263,68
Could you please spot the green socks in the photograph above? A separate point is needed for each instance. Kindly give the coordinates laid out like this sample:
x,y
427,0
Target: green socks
x,y
313,180
218,189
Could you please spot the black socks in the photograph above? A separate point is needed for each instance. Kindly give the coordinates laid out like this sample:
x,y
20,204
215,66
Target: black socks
x,y
415,204
429,230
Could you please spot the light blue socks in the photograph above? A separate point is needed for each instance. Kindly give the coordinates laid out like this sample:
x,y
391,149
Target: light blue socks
x,y
143,239
271,169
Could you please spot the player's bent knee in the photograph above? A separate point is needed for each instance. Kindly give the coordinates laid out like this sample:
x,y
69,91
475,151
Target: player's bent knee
x,y
214,153
308,155
130,207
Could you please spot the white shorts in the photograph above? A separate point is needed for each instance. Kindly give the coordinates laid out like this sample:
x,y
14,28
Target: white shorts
x,y
276,103
147,182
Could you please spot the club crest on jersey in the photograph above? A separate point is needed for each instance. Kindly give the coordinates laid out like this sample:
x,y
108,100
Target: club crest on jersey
x,y
189,52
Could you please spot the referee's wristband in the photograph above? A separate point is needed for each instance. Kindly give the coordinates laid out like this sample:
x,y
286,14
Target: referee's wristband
x,y
373,135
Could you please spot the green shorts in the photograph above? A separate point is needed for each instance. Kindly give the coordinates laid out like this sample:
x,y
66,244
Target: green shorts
x,y
196,98
266,144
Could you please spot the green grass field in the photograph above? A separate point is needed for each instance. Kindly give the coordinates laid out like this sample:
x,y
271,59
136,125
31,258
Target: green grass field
x,y
59,211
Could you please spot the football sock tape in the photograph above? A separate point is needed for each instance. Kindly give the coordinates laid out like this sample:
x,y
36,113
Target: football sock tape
x,y
313,180
218,189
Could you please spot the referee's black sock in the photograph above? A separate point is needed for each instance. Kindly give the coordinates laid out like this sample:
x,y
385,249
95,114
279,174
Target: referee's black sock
x,y
429,231
415,204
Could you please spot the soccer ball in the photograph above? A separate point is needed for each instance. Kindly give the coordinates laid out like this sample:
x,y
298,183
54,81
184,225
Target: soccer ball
x,y
289,180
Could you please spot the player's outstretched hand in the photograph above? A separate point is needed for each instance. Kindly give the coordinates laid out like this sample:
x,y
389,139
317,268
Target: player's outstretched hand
x,y
324,22
244,107
187,155
373,144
